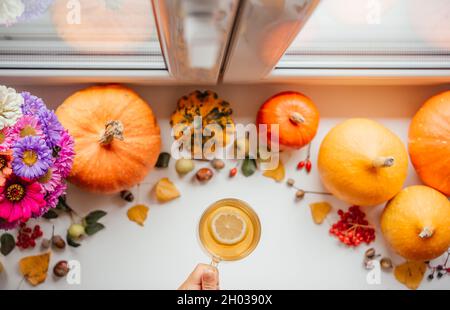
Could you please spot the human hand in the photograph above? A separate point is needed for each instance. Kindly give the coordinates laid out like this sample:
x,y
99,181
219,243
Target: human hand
x,y
204,277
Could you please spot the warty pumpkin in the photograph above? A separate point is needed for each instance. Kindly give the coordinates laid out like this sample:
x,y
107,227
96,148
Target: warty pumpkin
x,y
117,138
295,114
362,162
416,223
212,110
429,142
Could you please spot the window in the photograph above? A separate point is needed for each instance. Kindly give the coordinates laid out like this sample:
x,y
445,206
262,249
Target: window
x,y
402,34
79,34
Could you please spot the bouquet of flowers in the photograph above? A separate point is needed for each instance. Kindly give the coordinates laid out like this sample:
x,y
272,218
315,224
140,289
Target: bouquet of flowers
x,y
12,11
36,155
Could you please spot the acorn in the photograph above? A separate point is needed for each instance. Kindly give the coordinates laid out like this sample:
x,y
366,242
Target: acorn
x,y
127,195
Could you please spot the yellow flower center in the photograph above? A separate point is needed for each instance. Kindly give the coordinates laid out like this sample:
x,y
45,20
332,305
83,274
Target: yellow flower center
x,y
2,137
15,192
27,131
29,158
46,177
2,162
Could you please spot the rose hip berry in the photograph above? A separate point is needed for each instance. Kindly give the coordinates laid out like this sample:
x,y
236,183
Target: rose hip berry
x,y
26,237
353,229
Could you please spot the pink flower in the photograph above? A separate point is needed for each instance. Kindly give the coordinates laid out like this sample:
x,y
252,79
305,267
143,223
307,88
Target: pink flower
x,y
27,125
52,197
64,159
5,166
20,199
50,180
5,139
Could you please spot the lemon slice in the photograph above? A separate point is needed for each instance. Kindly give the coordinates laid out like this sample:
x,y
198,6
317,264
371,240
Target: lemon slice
x,y
228,227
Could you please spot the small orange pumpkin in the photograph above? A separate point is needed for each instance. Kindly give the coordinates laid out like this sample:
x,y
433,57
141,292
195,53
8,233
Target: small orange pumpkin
x,y
429,142
416,223
362,162
296,115
117,138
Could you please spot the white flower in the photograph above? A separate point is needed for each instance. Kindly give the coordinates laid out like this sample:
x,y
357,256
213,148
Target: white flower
x,y
10,106
10,10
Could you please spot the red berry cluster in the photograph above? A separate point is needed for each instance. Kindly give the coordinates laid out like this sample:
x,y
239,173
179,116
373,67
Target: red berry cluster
x,y
352,229
306,164
27,236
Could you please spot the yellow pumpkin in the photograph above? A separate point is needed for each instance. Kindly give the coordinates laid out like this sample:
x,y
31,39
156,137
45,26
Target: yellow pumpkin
x,y
117,138
362,162
416,223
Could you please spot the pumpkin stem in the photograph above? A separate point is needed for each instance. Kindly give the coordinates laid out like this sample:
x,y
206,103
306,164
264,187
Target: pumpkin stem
x,y
113,129
296,118
383,162
426,232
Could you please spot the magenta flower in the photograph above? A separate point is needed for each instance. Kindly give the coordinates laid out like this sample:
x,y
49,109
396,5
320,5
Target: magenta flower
x,y
32,158
64,159
20,199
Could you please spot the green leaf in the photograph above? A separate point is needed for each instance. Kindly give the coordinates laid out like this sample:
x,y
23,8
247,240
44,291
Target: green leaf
x,y
163,160
62,204
71,242
248,167
94,216
8,244
51,214
94,228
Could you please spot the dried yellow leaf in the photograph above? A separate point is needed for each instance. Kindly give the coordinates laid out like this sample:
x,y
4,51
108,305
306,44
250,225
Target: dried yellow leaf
x,y
410,274
34,268
319,211
138,214
277,174
166,190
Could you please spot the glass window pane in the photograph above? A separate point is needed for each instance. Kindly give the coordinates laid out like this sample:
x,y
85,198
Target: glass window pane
x,y
373,33
80,34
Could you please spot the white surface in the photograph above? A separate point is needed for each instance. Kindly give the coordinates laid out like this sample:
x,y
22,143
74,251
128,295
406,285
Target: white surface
x,y
293,253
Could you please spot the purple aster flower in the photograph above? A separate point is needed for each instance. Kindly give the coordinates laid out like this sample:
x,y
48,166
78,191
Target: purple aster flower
x,y
64,160
32,157
51,127
34,8
32,104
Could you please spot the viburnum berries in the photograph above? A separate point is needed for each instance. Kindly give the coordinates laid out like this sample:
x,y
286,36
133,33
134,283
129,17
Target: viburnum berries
x,y
27,236
352,229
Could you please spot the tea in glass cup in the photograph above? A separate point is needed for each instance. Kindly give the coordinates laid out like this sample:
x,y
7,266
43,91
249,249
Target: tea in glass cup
x,y
229,230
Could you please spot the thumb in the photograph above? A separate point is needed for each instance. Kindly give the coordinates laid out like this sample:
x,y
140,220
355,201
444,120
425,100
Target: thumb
x,y
209,279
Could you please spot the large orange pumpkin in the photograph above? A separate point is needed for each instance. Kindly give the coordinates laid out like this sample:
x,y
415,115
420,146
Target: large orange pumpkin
x,y
104,25
117,139
416,223
429,142
362,162
295,114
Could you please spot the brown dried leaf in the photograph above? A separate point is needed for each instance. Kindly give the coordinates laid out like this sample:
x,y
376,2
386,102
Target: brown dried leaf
x,y
319,211
34,268
277,174
166,190
410,274
138,214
